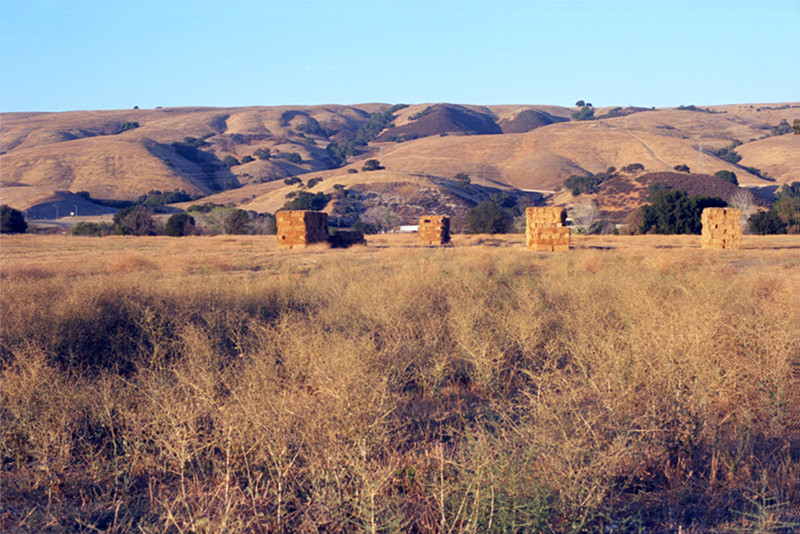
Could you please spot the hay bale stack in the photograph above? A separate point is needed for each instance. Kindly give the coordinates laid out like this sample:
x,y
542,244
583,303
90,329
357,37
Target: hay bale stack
x,y
301,228
545,229
434,229
721,228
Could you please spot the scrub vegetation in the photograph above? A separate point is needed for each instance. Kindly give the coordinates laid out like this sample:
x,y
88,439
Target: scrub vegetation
x,y
220,384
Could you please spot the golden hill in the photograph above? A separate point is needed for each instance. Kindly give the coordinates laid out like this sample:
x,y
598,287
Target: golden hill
x,y
126,153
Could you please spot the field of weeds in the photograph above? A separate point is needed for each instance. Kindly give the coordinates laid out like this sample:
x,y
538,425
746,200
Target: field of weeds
x,y
218,384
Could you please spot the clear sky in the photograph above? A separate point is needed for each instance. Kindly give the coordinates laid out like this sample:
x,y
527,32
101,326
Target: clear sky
x,y
62,55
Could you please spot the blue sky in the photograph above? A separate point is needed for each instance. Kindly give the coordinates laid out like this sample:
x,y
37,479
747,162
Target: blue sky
x,y
64,55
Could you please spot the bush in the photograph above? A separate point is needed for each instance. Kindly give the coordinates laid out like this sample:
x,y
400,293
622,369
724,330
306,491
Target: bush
x,y
682,168
125,126
463,179
180,224
312,182
488,218
728,176
728,153
247,159
766,223
308,201
135,220
372,165
674,212
582,184
263,153
90,229
633,167
293,157
230,161
237,222
292,180
585,114
12,221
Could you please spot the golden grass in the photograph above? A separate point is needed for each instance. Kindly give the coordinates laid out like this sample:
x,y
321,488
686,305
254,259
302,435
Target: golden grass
x,y
214,384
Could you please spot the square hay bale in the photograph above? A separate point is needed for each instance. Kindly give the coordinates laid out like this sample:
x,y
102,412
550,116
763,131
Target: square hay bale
x,y
301,228
545,230
434,229
721,228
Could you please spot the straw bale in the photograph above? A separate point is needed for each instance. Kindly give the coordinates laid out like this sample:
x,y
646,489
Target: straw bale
x,y
545,230
301,228
434,229
721,228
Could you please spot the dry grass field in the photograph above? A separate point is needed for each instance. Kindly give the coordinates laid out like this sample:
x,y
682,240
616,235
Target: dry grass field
x,y
221,384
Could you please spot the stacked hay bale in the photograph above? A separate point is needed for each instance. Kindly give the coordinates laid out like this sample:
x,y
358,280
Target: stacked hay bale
x,y
545,229
434,229
721,228
301,228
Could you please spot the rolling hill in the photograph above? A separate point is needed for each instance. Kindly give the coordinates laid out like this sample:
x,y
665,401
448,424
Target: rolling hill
x,y
240,155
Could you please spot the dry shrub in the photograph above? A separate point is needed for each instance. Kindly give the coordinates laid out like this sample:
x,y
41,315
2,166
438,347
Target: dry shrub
x,y
474,389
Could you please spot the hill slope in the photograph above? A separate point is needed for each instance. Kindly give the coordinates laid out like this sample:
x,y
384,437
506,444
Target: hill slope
x,y
232,151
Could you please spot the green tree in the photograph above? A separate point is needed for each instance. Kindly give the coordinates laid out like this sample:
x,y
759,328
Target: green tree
x,y
682,167
134,220
766,223
12,221
237,222
247,159
488,218
674,212
787,207
463,179
179,224
308,201
230,161
263,153
294,157
90,229
728,176
372,165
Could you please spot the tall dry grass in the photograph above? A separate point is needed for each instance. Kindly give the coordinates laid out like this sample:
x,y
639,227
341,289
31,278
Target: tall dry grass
x,y
221,385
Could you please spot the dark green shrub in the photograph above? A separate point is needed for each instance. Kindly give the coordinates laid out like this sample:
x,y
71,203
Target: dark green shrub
x,y
728,176
12,221
372,165
293,157
766,223
237,222
585,114
308,201
230,161
672,211
125,126
488,218
206,207
247,159
179,224
633,167
292,180
682,167
90,229
135,220
582,184
263,153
